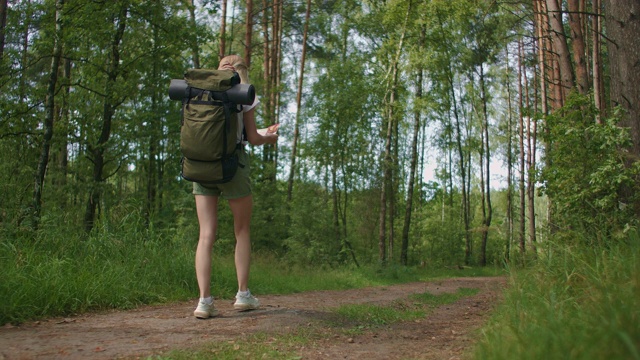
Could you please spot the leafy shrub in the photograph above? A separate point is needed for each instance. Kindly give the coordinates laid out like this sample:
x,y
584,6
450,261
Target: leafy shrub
x,y
587,170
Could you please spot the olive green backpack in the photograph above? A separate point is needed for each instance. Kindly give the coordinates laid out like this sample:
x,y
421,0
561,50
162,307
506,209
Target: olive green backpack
x,y
209,127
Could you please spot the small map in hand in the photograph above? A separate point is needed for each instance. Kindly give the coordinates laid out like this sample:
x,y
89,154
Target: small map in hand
x,y
270,130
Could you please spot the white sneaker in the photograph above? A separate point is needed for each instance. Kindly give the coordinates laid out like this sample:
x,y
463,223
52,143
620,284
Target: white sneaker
x,y
246,301
204,310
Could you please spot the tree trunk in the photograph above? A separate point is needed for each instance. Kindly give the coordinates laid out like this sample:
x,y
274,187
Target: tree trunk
x,y
560,47
336,201
154,143
463,175
523,219
404,250
62,159
97,151
576,20
541,36
392,78
386,166
248,35
487,209
596,57
278,82
223,30
395,169
462,158
530,167
3,26
266,52
271,75
623,28
296,130
509,211
49,115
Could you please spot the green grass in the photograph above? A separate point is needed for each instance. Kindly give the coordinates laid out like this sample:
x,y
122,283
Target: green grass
x,y
59,275
367,315
578,302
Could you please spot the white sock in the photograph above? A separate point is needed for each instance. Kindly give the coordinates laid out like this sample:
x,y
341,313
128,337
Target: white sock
x,y
244,293
208,300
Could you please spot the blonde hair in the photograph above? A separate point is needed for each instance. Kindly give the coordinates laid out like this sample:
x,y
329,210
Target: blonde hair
x,y
238,64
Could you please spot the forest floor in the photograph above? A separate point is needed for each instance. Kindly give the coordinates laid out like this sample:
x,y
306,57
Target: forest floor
x,y
447,332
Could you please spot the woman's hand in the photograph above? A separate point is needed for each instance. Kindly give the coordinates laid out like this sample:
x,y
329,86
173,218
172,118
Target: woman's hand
x,y
255,138
270,138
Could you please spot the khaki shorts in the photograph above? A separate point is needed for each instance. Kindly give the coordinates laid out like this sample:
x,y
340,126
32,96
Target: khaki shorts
x,y
238,187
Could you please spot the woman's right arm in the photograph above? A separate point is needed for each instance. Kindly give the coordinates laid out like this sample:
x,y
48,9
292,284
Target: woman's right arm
x,y
252,132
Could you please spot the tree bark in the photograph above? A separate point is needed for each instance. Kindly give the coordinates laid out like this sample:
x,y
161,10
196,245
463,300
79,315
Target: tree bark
x,y
530,166
266,52
223,31
510,161
269,62
560,48
63,142
248,34
596,57
278,81
541,30
50,110
487,209
523,219
576,20
623,28
296,130
404,248
3,26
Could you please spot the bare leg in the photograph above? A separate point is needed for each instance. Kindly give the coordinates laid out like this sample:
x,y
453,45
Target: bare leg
x,y
241,209
207,208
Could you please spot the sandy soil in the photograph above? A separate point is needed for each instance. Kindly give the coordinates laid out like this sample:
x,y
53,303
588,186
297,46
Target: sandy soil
x,y
448,332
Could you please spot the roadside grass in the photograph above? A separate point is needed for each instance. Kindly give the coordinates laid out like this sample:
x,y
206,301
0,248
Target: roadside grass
x,y
578,302
61,275
349,319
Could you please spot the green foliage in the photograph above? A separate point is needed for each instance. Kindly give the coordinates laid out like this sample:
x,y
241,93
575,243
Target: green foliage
x,y
269,225
312,238
588,170
441,240
577,302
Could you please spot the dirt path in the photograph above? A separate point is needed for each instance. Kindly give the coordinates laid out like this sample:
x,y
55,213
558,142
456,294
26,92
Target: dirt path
x,y
446,333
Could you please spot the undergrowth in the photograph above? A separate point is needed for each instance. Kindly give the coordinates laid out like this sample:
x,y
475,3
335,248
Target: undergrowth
x,y
577,303
53,275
